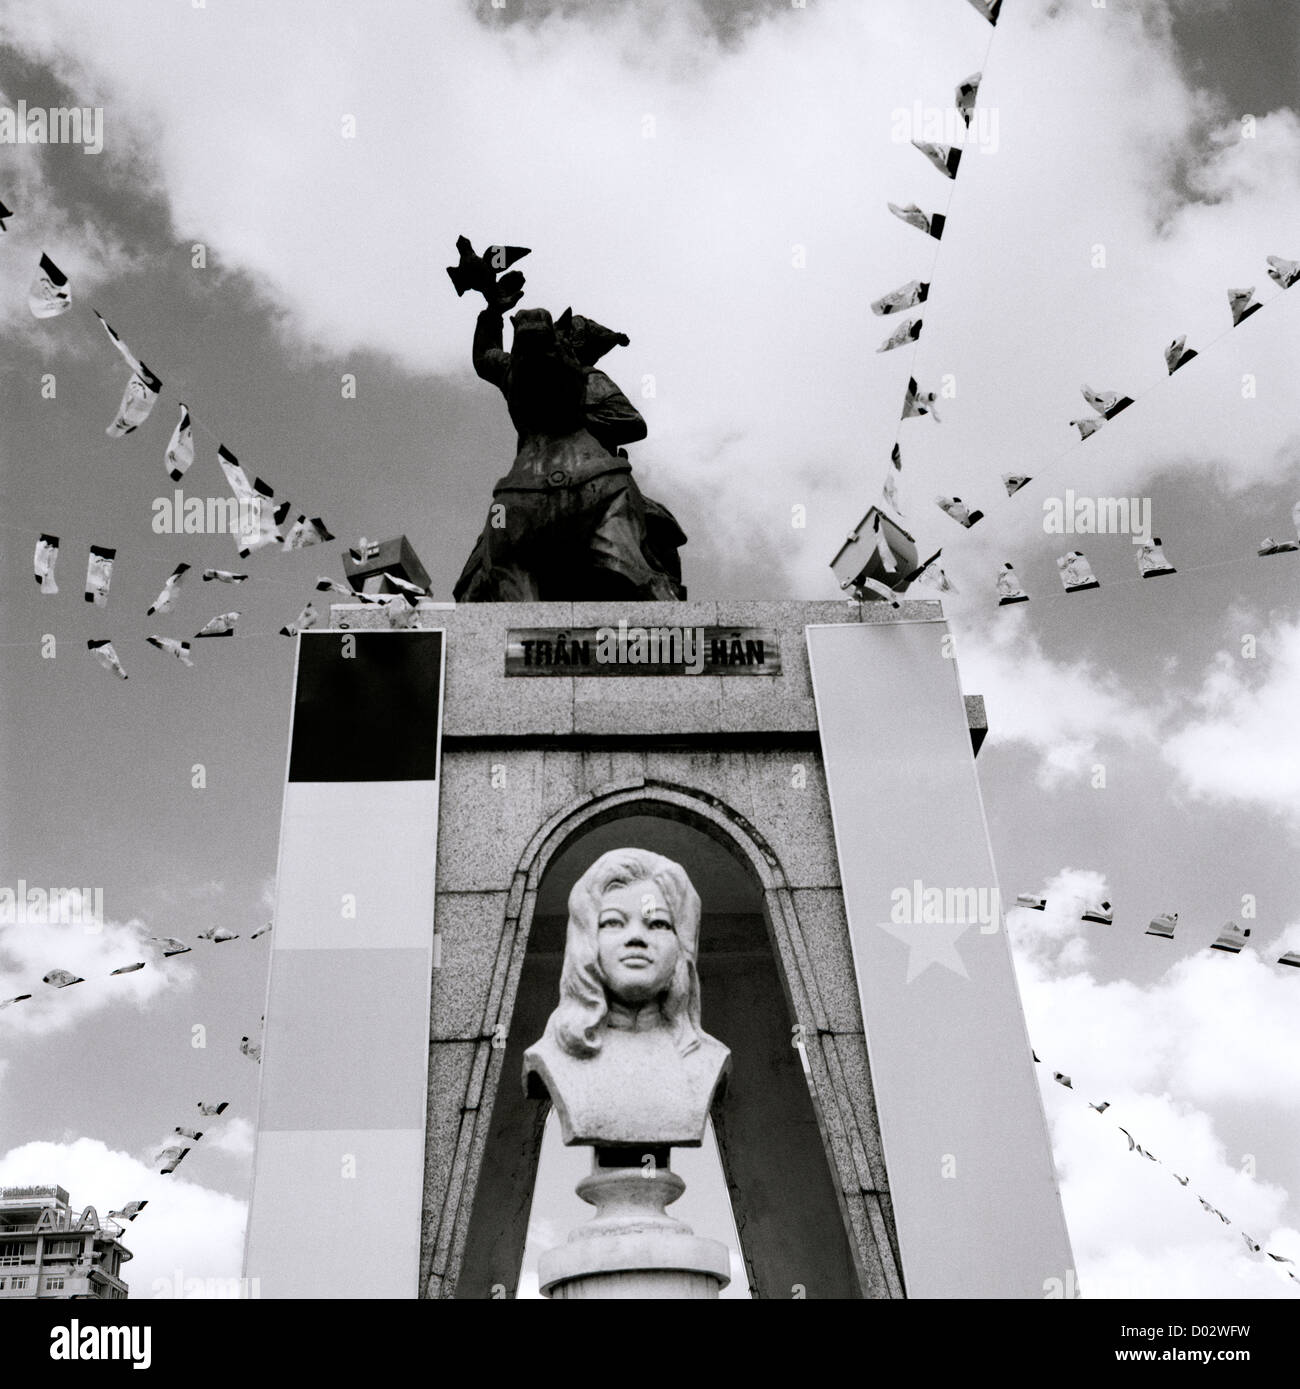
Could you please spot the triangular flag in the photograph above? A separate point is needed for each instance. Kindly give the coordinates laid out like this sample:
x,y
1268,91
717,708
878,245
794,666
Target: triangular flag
x,y
945,158
170,945
103,652
50,294
262,527
61,978
333,586
932,225
1152,562
180,450
917,403
990,9
99,574
179,649
235,475
867,584
965,97
1242,303
1009,590
309,617
930,575
304,532
223,576
1106,403
138,399
1076,572
904,333
1177,354
1283,272
958,510
222,625
1231,939
914,292
889,492
47,554
1163,925
171,1158
1013,482
124,351
170,590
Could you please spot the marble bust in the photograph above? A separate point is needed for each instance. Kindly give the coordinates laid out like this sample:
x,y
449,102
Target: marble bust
x,y
623,1057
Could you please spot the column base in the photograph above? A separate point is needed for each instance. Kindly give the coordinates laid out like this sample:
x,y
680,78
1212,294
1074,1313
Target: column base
x,y
632,1248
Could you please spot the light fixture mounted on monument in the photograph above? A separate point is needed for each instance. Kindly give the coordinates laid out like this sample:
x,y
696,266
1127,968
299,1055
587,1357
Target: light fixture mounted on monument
x,y
879,553
631,1075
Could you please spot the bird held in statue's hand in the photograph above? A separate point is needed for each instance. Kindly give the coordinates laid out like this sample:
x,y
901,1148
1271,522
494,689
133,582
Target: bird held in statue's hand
x,y
480,272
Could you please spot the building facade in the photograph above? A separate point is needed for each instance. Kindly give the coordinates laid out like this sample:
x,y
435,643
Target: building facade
x,y
49,1250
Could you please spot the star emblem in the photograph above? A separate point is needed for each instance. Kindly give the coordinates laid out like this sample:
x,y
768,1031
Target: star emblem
x,y
929,943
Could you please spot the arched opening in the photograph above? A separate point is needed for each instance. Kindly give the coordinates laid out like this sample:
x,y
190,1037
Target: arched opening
x,y
786,1207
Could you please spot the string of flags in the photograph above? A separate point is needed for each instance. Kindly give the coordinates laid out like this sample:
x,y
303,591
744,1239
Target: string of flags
x,y
1252,1245
140,393
1074,569
99,575
263,521
174,1153
1230,940
917,402
168,946
1075,572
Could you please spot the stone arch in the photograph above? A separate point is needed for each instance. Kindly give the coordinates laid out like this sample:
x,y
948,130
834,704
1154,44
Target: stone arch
x,y
847,1239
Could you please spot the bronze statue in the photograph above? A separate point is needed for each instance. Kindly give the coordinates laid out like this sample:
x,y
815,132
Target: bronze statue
x,y
568,521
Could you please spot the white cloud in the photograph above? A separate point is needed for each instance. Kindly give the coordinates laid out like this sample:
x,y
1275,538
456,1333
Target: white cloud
x,y
187,1232
1136,1232
90,947
1212,1030
87,251
235,1138
765,179
1063,710
1242,745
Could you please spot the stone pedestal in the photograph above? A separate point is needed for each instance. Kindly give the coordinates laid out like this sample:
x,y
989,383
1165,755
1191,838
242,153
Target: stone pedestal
x,y
803,817
632,1248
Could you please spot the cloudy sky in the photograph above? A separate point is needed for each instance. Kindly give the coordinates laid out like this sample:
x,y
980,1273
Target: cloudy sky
x,y
711,178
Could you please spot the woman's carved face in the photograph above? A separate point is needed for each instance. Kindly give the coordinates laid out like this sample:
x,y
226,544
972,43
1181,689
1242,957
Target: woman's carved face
x,y
637,942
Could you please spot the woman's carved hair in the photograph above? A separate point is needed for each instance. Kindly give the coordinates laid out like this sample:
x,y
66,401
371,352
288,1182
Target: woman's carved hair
x,y
578,1022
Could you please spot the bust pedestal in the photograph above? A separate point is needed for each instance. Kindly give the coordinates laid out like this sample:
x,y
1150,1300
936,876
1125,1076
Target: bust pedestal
x,y
632,1248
